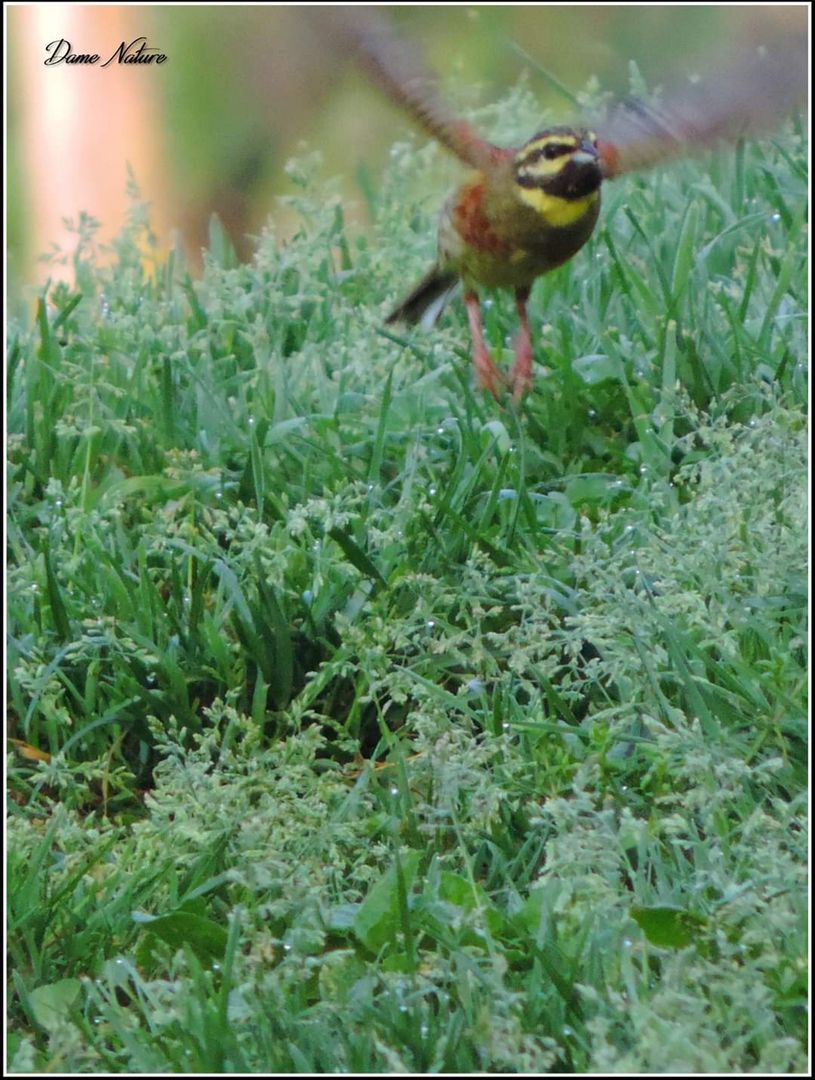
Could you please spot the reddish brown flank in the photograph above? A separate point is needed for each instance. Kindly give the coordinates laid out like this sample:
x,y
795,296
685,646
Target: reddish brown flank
x,y
473,225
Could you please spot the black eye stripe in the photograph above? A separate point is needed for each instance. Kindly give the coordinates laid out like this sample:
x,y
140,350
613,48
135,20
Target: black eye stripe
x,y
556,150
550,152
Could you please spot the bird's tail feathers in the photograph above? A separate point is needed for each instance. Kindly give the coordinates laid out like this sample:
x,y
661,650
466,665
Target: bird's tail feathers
x,y
426,302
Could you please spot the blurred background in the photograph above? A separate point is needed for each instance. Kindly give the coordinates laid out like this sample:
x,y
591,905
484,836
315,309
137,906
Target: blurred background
x,y
244,88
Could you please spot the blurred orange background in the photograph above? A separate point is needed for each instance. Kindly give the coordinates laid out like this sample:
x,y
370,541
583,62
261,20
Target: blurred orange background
x,y
210,129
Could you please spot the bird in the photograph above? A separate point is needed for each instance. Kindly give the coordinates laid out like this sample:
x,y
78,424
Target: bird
x,y
524,210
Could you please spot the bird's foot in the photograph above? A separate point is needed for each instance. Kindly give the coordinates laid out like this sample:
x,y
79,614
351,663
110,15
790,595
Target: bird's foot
x,y
487,375
520,376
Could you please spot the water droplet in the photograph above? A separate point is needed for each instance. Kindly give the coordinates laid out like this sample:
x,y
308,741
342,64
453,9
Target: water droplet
x,y
568,1030
424,1029
627,943
219,495
439,430
507,493
775,217
286,947
250,420
216,966
643,470
431,492
430,624
475,686
505,726
592,413
307,596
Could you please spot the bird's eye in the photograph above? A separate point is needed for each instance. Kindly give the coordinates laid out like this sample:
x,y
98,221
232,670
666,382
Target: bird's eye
x,y
556,150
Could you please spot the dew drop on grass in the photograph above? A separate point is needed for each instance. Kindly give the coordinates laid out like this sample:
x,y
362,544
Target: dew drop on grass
x,y
430,624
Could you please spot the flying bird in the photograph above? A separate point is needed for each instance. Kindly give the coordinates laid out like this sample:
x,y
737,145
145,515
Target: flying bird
x,y
524,210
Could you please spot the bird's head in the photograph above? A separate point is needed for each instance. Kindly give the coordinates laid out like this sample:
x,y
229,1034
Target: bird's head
x,y
558,173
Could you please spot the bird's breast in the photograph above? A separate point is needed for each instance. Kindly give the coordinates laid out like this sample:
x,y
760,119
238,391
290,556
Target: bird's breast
x,y
490,237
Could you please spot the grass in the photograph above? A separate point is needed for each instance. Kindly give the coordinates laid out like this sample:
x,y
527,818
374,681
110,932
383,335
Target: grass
x,y
364,725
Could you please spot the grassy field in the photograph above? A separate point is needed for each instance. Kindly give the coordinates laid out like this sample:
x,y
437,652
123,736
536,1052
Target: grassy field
x,y
365,725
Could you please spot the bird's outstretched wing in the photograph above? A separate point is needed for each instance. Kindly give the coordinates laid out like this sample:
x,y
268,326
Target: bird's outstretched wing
x,y
399,72
746,96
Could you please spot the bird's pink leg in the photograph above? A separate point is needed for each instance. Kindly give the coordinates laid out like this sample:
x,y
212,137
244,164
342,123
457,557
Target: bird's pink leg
x,y
487,374
521,374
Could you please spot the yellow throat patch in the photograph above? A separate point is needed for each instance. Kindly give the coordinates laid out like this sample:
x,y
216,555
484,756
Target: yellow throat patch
x,y
553,209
